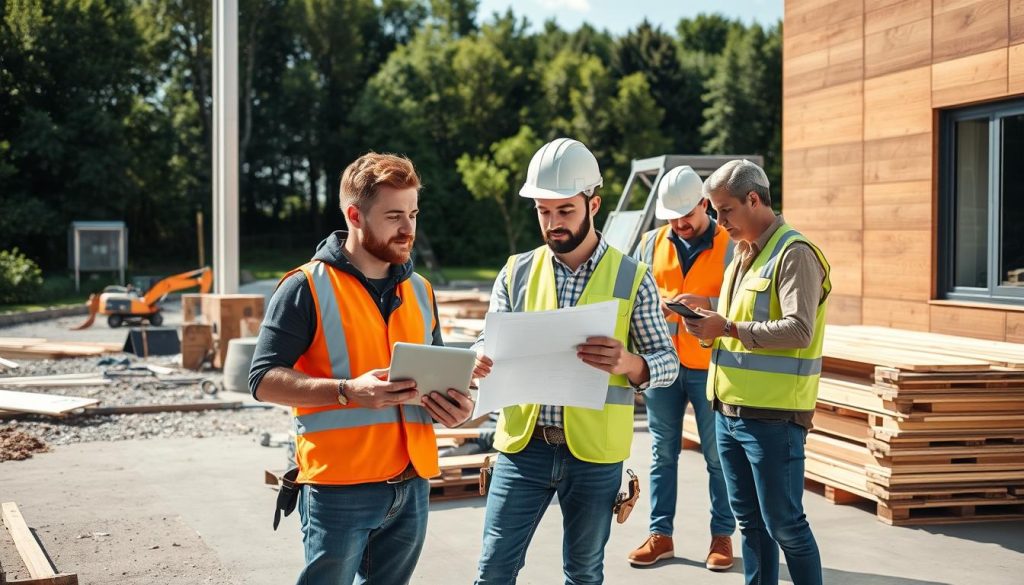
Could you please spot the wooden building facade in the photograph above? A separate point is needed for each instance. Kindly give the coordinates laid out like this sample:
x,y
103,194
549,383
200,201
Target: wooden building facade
x,y
903,157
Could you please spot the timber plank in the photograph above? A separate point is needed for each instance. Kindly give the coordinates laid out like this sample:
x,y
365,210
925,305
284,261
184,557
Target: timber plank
x,y
38,403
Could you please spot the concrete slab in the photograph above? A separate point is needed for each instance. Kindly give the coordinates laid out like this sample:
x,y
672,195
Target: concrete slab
x,y
201,502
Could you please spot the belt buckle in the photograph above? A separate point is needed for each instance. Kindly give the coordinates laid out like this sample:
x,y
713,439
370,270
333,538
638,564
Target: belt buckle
x,y
554,434
401,477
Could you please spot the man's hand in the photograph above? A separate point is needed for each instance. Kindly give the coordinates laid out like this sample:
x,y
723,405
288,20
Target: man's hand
x,y
608,354
451,413
710,327
483,366
372,390
693,301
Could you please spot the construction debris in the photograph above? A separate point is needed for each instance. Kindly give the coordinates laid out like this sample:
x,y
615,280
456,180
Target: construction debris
x,y
16,445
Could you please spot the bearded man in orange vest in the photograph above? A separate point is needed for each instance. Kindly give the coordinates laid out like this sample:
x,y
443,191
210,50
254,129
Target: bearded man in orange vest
x,y
324,349
688,257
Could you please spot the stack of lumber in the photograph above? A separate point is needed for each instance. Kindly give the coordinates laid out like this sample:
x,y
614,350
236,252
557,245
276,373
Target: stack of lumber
x,y
461,314
37,348
929,427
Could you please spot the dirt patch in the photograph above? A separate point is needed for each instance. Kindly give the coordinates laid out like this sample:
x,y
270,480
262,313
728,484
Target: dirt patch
x,y
17,445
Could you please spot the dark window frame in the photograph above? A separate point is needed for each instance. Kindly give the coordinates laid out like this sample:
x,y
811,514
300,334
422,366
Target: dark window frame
x,y
993,292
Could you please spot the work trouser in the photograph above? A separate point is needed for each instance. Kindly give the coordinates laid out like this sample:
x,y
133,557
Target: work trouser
x,y
763,461
366,533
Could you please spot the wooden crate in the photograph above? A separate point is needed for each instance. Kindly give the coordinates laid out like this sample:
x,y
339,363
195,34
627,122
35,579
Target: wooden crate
x,y
224,313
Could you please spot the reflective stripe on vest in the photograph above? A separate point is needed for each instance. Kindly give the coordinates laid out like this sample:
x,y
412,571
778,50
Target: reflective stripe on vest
x,y
767,378
343,445
704,278
597,436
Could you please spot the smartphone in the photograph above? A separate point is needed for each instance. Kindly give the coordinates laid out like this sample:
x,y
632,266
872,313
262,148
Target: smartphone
x,y
685,311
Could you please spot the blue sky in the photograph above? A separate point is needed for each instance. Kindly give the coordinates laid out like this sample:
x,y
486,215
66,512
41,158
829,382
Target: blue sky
x,y
618,16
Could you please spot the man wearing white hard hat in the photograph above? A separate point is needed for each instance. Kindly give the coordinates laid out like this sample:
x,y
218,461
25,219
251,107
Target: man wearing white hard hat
x,y
576,453
688,257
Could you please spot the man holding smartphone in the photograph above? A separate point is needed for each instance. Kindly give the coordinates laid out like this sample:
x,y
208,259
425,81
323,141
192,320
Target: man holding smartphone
x,y
688,257
766,362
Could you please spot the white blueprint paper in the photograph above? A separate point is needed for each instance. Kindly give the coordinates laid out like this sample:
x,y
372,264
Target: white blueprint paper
x,y
535,358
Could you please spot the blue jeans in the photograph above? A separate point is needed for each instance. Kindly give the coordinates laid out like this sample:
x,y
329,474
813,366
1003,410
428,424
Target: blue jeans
x,y
763,462
521,490
665,410
365,533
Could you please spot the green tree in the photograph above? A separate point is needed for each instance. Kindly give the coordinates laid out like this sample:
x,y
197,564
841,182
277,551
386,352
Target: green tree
x,y
498,176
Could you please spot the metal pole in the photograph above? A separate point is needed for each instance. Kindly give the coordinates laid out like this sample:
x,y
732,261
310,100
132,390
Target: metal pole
x,y
225,146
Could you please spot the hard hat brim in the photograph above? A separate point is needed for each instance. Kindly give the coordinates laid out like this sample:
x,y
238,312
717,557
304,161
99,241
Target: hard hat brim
x,y
662,212
534,192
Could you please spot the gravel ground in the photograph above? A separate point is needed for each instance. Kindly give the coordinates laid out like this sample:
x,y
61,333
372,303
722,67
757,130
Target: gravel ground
x,y
253,419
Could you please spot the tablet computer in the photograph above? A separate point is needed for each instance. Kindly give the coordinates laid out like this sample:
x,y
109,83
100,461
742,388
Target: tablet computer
x,y
435,368
681,309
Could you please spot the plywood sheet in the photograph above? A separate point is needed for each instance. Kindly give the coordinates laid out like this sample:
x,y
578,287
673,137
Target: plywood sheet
x,y
969,322
898,104
968,28
844,252
903,158
1015,75
970,79
1016,21
901,47
894,313
897,264
42,403
905,205
828,116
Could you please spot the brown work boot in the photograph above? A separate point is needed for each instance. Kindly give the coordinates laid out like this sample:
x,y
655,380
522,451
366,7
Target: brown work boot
x,y
655,548
720,555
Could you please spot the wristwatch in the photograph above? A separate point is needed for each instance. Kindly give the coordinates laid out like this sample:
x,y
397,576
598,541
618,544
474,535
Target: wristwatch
x,y
728,329
342,399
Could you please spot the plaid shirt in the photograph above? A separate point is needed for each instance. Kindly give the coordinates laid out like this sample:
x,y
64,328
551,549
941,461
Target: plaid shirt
x,y
648,330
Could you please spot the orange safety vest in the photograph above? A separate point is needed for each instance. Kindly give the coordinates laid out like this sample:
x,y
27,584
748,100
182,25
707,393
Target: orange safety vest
x,y
704,278
344,445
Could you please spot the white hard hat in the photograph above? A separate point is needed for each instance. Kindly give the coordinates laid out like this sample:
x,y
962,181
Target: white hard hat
x,y
561,169
679,191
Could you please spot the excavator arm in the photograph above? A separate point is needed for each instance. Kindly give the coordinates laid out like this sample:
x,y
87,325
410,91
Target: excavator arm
x,y
202,277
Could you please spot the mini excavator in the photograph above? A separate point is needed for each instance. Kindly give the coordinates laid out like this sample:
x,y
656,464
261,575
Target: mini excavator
x,y
124,304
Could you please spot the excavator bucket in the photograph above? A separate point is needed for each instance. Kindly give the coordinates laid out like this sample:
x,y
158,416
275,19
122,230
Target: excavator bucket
x,y
94,307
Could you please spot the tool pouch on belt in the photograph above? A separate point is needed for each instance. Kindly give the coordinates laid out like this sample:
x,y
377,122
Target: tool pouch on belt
x,y
624,503
485,475
288,495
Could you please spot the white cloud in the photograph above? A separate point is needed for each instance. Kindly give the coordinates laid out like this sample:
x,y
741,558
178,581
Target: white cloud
x,y
573,5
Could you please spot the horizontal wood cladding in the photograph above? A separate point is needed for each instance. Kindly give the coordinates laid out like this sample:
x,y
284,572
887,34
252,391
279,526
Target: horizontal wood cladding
x,y
814,16
897,264
1016,21
900,47
828,116
844,310
843,250
895,206
1015,80
893,313
1015,327
970,79
981,323
832,65
966,28
882,15
903,158
898,104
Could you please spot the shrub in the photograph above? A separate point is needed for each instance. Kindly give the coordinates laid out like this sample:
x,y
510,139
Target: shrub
x,y
20,278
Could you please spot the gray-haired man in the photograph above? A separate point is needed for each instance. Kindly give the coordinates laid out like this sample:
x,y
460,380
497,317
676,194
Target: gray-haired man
x,y
765,365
